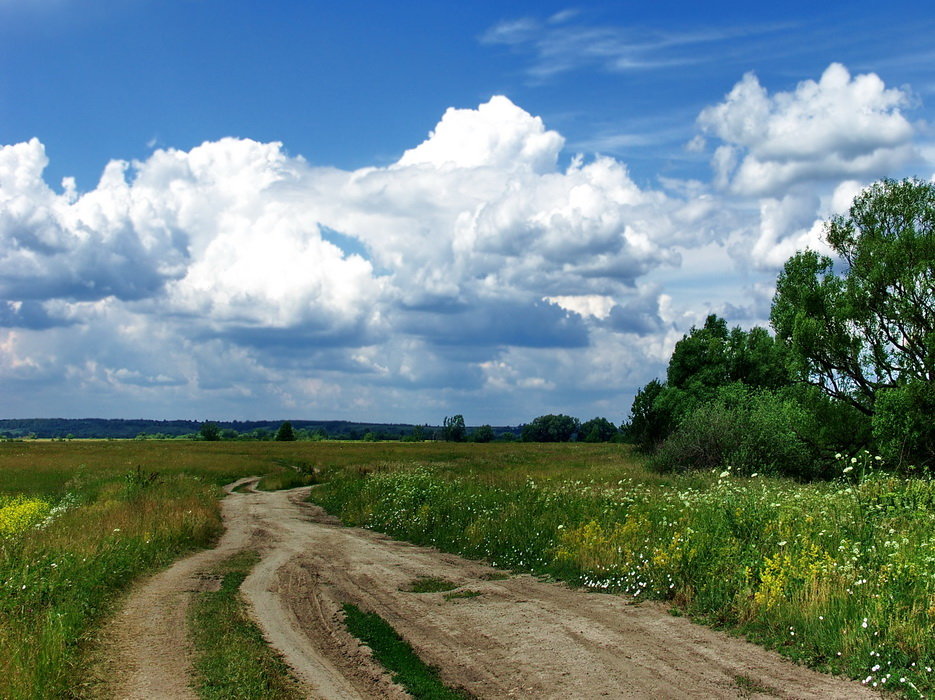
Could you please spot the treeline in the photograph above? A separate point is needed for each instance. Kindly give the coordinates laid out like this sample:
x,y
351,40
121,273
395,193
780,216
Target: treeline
x,y
848,379
100,428
143,429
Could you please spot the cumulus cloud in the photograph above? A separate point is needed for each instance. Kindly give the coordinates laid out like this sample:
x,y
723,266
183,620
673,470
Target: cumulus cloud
x,y
475,268
474,242
837,127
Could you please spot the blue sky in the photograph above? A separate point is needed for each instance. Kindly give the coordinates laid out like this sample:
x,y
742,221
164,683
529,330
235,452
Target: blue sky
x,y
397,212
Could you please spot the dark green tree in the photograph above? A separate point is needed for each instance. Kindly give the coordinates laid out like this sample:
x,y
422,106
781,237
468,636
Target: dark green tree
x,y
454,429
703,361
285,432
647,426
483,434
210,432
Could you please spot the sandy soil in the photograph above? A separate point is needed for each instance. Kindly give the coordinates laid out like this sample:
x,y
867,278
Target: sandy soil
x,y
520,637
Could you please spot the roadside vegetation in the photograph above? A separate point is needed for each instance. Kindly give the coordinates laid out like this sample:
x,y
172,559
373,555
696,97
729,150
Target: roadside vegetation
x,y
851,366
839,575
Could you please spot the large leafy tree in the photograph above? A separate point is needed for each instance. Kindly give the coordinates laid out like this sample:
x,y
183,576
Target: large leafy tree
x,y
597,430
862,328
703,361
870,326
454,429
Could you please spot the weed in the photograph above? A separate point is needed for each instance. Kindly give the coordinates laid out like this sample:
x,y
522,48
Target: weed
x,y
748,686
456,595
494,576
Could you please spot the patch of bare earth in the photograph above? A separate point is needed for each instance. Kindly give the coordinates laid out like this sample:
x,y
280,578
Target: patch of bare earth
x,y
519,637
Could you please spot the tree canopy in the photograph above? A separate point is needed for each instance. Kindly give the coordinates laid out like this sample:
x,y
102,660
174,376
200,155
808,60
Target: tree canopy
x,y
285,432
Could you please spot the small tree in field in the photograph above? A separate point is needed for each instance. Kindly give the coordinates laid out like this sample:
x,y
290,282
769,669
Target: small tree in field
x,y
285,432
210,432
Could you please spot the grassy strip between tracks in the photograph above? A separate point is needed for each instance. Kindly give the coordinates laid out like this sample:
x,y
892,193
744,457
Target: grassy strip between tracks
x,y
232,660
420,680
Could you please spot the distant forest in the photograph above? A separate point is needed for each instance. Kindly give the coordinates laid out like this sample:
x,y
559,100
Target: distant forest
x,y
84,428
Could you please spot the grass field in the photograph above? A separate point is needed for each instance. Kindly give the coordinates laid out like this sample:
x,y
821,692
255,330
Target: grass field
x,y
839,575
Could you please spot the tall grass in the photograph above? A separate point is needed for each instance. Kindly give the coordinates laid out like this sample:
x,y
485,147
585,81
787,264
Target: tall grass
x,y
837,575
79,522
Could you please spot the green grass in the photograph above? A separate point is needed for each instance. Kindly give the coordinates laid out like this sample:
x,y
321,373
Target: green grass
x,y
395,654
840,576
458,595
429,584
232,660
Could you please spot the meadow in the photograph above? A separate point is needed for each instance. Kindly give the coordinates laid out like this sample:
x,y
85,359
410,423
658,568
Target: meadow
x,y
839,575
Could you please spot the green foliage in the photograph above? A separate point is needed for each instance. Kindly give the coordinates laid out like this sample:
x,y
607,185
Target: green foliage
x,y
904,424
483,434
597,430
710,357
391,650
454,429
551,428
870,327
210,432
703,361
647,426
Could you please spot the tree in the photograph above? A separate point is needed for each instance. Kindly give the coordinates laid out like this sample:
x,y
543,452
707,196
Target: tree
x,y
597,430
285,432
870,327
454,429
210,432
702,362
483,434
551,428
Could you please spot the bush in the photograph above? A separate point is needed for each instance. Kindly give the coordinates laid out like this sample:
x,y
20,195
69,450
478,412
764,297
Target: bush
x,y
903,425
746,429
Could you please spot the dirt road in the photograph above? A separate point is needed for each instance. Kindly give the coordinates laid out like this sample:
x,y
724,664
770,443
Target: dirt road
x,y
519,637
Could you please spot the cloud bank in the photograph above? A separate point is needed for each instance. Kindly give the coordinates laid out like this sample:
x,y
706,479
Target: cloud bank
x,y
473,274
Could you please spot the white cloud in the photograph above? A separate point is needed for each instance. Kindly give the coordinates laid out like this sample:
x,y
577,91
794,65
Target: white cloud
x,y
497,134
236,278
224,269
837,127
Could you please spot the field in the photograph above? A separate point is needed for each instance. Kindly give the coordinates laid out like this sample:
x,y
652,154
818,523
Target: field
x,y
838,575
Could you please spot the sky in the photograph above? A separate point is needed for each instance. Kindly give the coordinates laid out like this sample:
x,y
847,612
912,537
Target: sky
x,y
397,212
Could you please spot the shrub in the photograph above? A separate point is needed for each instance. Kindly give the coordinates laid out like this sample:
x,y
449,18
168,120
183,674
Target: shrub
x,y
903,425
746,429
